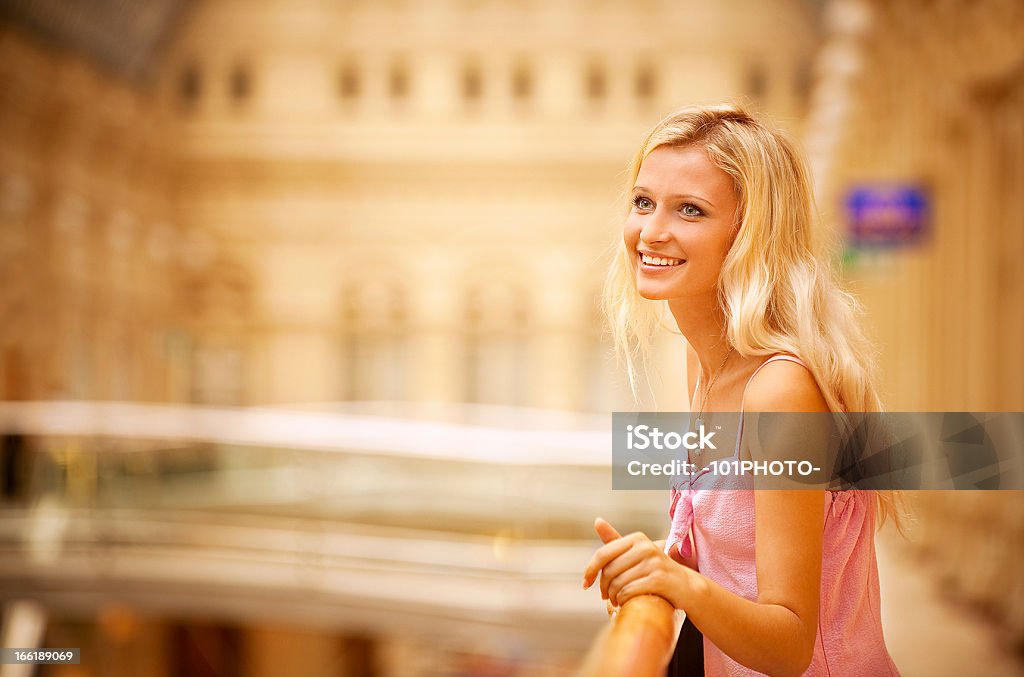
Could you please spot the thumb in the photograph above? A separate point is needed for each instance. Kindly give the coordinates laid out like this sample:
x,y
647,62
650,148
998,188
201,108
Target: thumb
x,y
605,530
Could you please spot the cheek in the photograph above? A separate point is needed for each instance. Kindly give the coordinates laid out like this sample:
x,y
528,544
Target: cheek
x,y
725,246
630,234
708,258
711,244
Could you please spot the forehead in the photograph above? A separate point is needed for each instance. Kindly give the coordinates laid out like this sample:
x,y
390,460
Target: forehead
x,y
672,168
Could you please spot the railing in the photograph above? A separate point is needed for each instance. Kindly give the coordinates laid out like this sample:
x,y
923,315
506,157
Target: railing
x,y
335,465
638,641
134,500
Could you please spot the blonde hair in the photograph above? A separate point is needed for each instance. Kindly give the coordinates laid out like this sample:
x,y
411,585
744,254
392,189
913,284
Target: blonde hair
x,y
777,287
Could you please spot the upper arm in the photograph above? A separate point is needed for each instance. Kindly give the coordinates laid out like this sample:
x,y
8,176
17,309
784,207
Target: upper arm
x,y
788,536
789,522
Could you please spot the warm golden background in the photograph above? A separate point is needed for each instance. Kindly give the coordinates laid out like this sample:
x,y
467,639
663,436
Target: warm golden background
x,y
300,358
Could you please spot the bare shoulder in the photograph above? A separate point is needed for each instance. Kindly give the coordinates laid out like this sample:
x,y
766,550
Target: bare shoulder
x,y
783,385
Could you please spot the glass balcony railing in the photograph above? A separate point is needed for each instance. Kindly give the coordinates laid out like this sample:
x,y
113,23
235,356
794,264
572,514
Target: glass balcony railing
x,y
440,526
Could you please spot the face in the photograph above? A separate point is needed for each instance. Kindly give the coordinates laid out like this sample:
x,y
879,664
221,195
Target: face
x,y
681,224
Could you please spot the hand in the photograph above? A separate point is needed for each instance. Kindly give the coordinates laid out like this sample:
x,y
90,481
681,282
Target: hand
x,y
633,565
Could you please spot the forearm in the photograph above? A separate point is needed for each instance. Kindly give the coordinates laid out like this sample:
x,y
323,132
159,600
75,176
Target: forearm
x,y
769,638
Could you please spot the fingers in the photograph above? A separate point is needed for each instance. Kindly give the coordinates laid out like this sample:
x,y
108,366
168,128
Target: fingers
x,y
610,608
627,578
605,530
614,546
635,588
634,557
628,565
600,559
644,555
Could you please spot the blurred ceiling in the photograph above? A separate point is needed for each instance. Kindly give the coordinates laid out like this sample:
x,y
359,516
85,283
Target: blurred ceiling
x,y
122,36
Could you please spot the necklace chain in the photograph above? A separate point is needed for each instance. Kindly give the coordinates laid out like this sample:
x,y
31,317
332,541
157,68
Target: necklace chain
x,y
707,391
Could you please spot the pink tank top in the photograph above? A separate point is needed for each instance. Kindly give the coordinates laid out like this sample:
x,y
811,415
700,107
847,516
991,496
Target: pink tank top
x,y
721,522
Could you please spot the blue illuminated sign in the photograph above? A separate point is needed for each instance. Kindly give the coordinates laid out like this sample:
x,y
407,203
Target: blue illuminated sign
x,y
886,215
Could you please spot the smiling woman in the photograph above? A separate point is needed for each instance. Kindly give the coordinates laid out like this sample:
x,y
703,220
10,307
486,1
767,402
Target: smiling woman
x,y
720,228
668,227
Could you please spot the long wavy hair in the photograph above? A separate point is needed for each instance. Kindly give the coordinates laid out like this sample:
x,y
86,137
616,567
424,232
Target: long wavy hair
x,y
778,287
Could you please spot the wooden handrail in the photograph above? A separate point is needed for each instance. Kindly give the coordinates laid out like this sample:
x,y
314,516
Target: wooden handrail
x,y
638,641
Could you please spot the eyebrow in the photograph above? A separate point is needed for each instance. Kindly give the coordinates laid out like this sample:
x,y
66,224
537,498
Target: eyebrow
x,y
641,189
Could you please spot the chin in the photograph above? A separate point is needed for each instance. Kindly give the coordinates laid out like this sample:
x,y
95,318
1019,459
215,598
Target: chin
x,y
651,294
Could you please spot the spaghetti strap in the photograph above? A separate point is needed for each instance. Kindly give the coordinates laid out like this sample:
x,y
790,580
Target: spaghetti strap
x,y
773,358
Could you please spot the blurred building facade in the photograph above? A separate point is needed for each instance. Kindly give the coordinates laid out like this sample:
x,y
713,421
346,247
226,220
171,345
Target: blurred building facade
x,y
929,94
87,286
425,208
207,232
357,201
322,202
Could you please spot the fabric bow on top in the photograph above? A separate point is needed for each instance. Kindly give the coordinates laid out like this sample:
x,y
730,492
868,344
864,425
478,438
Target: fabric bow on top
x,y
681,512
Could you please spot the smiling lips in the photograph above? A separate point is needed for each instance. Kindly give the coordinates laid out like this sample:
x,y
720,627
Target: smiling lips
x,y
660,262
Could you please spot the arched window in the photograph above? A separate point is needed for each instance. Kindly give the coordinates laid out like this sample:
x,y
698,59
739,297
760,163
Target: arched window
x,y
398,80
756,82
220,300
606,381
472,82
496,345
596,82
190,85
375,343
645,83
522,82
349,82
240,84
802,79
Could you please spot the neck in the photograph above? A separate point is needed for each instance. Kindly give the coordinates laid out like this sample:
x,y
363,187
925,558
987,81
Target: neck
x,y
702,322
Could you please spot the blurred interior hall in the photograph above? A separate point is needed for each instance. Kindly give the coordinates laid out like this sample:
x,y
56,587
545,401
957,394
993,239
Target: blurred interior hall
x,y
302,367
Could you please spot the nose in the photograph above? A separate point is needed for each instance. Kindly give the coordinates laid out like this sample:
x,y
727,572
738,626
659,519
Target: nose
x,y
654,231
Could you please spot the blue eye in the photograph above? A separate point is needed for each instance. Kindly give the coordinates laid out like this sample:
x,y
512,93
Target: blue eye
x,y
643,203
691,210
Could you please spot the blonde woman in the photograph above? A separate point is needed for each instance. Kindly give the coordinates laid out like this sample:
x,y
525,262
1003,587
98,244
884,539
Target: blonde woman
x,y
722,228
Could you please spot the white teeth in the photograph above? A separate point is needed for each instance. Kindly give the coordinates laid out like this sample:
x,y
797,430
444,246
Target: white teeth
x,y
658,261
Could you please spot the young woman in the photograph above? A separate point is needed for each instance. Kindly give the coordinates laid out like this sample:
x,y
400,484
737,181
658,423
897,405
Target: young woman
x,y
722,227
